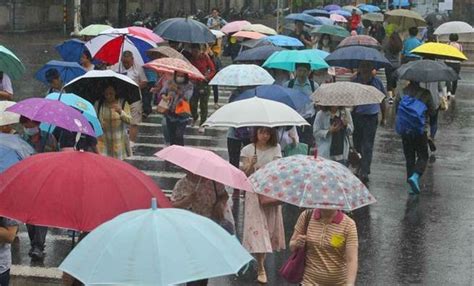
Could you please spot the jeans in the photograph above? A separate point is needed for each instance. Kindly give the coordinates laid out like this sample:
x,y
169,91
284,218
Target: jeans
x,y
415,148
201,97
434,124
5,278
37,235
453,85
365,127
305,133
176,129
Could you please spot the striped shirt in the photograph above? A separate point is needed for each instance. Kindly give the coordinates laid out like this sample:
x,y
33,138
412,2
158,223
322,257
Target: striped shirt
x,y
325,248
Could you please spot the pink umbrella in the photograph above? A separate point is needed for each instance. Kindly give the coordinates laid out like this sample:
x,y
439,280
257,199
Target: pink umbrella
x,y
235,26
249,35
170,65
338,18
206,164
145,33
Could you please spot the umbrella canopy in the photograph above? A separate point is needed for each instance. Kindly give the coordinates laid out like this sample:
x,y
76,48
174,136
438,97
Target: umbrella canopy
x,y
67,71
367,8
98,189
14,141
341,12
287,60
332,7
350,8
439,51
400,3
284,41
368,18
303,17
316,12
170,246
6,117
8,157
141,32
217,33
257,54
242,75
94,30
165,51
360,40
336,31
71,50
347,94
249,35
91,86
171,65
350,57
325,20
252,43
338,18
185,30
260,29
310,182
53,112
436,18
10,63
206,164
258,112
234,26
454,27
404,19
426,71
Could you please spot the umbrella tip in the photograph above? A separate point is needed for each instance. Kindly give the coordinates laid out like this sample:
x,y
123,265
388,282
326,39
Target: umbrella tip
x,y
153,204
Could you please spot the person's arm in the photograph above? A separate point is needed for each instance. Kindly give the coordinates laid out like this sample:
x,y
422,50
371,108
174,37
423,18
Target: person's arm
x,y
352,264
143,80
125,114
318,128
298,239
7,234
348,122
249,165
4,95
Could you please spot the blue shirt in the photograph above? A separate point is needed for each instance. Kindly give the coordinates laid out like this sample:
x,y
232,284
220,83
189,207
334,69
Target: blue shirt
x,y
369,109
410,44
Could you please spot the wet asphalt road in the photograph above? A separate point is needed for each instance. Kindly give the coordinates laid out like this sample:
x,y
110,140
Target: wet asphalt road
x,y
403,240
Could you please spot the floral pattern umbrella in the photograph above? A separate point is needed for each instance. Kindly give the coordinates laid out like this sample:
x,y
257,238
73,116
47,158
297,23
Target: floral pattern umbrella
x,y
311,182
242,75
347,94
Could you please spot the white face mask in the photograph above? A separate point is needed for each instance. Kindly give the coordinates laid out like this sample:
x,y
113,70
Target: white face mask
x,y
180,79
31,131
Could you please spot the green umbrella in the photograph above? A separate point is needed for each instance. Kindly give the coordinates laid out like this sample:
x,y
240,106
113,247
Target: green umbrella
x,y
94,30
336,31
10,64
287,60
405,19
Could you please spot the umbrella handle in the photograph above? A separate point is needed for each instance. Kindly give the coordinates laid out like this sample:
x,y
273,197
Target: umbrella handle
x,y
315,152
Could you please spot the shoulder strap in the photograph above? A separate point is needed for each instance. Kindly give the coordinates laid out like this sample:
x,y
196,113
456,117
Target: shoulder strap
x,y
311,82
291,83
308,217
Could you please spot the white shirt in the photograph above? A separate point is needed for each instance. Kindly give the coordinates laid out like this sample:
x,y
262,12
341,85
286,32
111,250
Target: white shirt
x,y
135,72
6,84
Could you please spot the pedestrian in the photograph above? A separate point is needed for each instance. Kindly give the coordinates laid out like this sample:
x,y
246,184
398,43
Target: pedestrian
x,y
300,34
86,61
332,128
280,76
354,22
67,139
409,44
365,118
8,230
215,53
412,121
175,96
204,64
6,88
114,115
377,31
322,76
128,67
215,22
325,43
263,221
392,49
54,79
331,244
307,86
455,65
436,91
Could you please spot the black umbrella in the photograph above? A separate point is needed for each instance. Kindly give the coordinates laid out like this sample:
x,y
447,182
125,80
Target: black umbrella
x,y
351,57
426,71
184,30
257,54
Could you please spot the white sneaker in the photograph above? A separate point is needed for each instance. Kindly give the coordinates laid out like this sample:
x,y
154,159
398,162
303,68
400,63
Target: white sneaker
x,y
132,144
201,129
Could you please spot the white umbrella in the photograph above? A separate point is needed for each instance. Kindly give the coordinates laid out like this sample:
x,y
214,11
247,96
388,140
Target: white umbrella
x,y
454,27
6,117
255,111
217,33
242,75
260,29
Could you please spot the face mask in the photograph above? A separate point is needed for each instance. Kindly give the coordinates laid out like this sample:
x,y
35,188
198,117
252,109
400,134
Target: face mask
x,y
180,79
31,131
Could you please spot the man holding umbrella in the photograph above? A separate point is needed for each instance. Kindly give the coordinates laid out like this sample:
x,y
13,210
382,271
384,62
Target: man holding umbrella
x,y
300,34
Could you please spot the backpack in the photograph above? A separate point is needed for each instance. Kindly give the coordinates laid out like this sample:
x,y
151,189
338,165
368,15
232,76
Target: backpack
x,y
291,84
410,118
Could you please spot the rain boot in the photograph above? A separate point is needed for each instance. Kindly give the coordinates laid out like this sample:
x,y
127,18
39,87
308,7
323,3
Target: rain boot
x,y
414,182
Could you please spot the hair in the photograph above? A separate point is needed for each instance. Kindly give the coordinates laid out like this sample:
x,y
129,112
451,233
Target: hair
x,y
186,78
24,119
52,74
320,42
413,31
453,37
395,44
196,46
273,141
303,65
215,9
127,54
87,54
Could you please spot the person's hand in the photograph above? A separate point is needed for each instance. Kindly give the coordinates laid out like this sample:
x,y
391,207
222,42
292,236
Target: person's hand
x,y
334,128
154,90
253,161
117,108
300,241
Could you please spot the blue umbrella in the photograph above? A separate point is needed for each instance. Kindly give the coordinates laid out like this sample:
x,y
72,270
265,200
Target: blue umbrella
x,y
341,12
351,56
15,142
293,98
332,7
71,50
79,103
317,12
398,3
257,54
67,71
325,21
8,157
184,30
302,17
284,41
367,8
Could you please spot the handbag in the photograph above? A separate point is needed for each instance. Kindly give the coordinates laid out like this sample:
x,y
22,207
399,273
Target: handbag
x,y
293,269
297,149
163,106
354,157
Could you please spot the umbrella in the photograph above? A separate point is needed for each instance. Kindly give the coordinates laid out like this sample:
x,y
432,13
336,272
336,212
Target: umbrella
x,y
94,30
171,65
242,75
10,64
248,35
316,12
350,57
426,71
155,247
141,32
400,3
325,20
436,18
336,31
439,51
217,33
185,30
234,26
67,71
98,189
294,98
53,112
71,50
310,182
454,27
303,17
257,54
338,18
255,43
404,19
260,29
350,8
284,41
91,86
8,157
165,51
14,141
255,111
332,7
367,8
347,94
6,117
341,13
79,103
206,164
360,40
372,17
287,60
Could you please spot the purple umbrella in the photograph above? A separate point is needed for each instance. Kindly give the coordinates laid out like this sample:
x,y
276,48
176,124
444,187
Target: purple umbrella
x,y
53,112
332,7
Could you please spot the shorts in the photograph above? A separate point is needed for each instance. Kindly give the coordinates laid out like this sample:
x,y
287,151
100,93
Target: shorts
x,y
136,110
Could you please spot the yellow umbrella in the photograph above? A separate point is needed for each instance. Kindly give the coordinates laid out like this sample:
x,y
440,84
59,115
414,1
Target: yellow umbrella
x,y
259,28
405,19
439,51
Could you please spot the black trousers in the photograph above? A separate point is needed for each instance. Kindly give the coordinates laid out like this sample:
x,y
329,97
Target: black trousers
x,y
453,85
415,148
233,149
365,128
37,235
176,130
305,133
5,278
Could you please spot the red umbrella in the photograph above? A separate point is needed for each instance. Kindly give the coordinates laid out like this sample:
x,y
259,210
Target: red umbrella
x,y
74,190
170,65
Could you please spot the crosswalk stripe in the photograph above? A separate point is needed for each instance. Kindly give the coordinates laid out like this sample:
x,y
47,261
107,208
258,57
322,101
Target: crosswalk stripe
x,y
31,271
161,146
164,174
